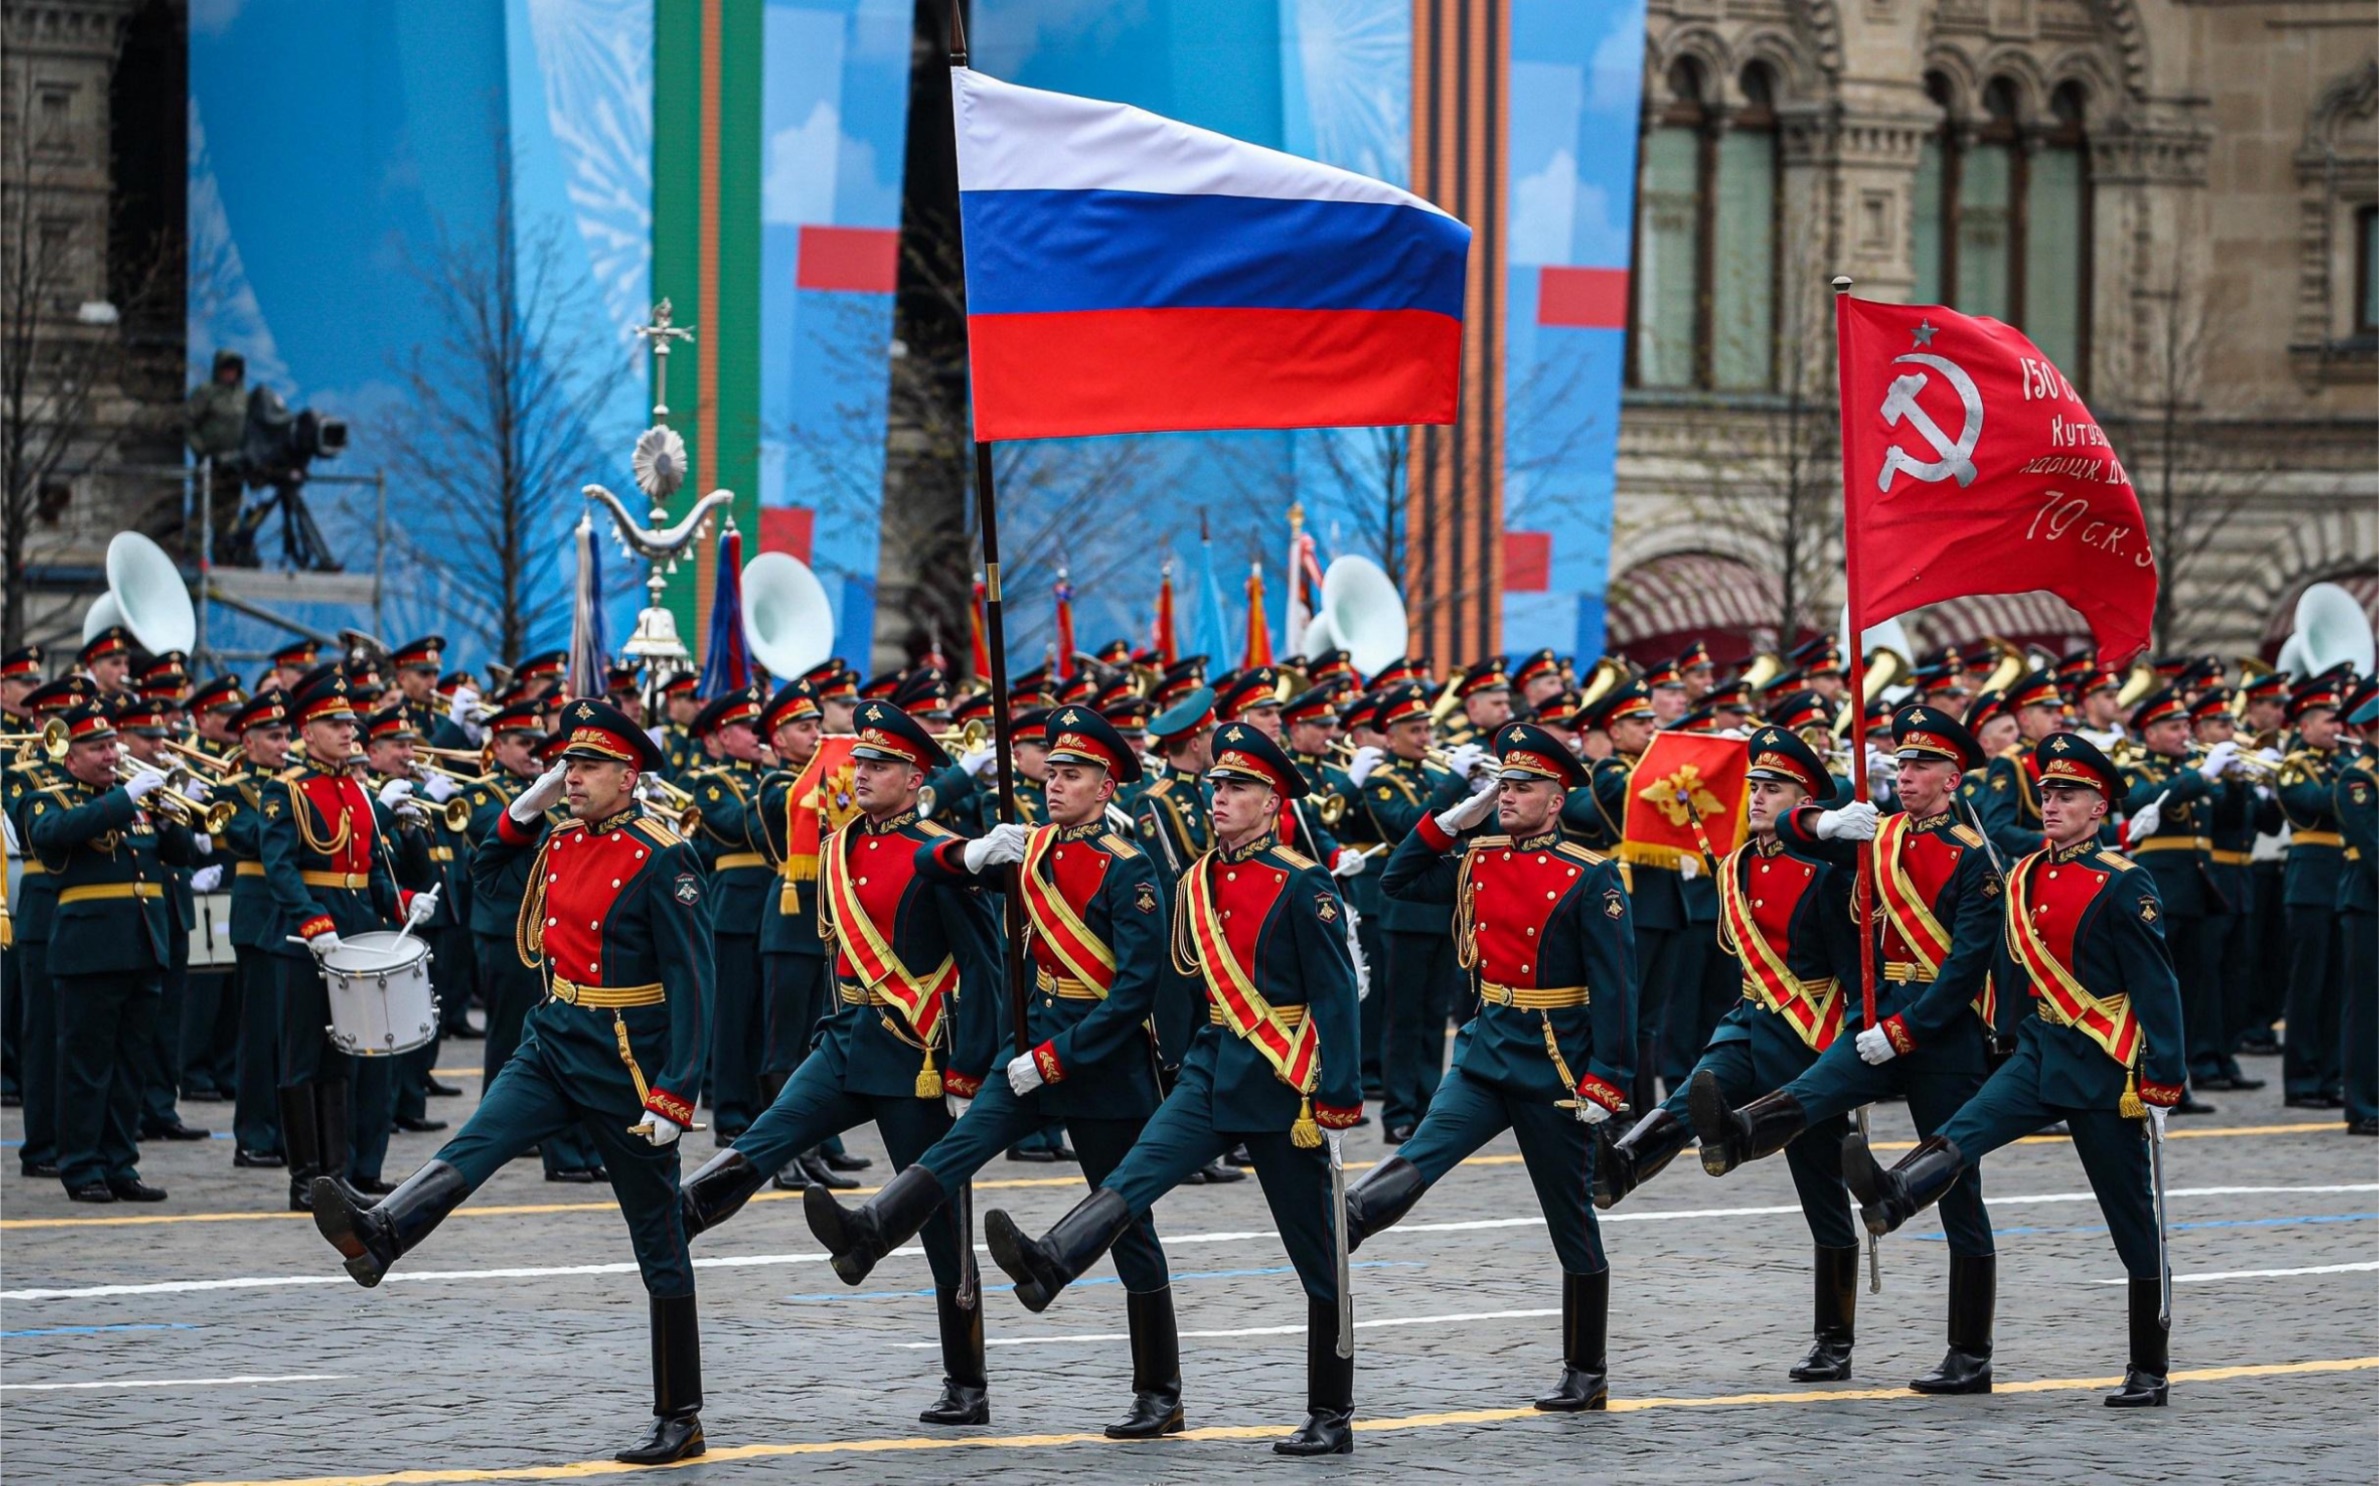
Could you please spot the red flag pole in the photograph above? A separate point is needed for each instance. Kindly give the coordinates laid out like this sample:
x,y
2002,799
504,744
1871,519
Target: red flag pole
x,y
1856,660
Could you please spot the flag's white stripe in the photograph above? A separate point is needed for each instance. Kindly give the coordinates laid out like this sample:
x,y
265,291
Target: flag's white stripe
x,y
1013,138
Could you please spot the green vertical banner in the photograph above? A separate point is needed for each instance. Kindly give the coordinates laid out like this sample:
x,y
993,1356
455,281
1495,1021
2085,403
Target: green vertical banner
x,y
706,262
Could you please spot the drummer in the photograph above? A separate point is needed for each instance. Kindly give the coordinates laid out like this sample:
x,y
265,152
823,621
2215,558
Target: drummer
x,y
425,857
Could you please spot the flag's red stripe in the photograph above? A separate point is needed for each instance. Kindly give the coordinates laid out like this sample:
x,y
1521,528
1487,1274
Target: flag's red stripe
x,y
1145,371
1587,298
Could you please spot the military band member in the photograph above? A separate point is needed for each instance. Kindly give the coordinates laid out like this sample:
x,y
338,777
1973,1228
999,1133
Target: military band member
x,y
611,1052
1786,923
415,666
1536,679
2239,808
679,707
262,726
1594,816
2083,934
917,979
727,792
1098,929
2266,951
2355,799
108,855
2171,843
292,663
141,731
1310,723
106,661
1276,1069
2009,801
1540,925
1937,902
2311,1068
429,853
20,676
33,919
1485,695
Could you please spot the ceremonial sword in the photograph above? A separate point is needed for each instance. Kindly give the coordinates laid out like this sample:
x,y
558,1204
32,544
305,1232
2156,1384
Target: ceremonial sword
x,y
1346,1298
2163,1224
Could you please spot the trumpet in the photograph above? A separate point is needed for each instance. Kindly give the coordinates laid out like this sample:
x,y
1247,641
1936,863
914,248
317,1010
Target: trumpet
x,y
452,755
51,736
457,775
201,760
686,815
969,738
177,806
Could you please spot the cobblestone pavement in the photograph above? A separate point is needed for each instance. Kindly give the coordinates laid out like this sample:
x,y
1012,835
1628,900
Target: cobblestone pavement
x,y
215,1338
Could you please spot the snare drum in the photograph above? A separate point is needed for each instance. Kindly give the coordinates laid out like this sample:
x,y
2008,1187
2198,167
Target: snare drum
x,y
380,998
210,942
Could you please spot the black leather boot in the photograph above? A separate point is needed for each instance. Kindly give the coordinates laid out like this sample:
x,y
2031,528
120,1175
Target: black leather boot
x,y
1837,1275
860,1237
1585,1330
1044,1267
1731,1137
1329,1389
372,1238
718,1191
1973,1297
815,1170
331,1131
677,1386
1625,1164
301,1142
966,1396
2145,1384
1156,1369
1889,1198
1386,1193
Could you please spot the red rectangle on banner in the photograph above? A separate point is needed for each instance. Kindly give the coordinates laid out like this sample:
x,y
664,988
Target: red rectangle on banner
x,y
788,529
1582,298
865,260
1527,561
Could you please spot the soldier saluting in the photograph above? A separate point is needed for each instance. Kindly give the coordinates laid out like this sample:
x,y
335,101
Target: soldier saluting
x,y
1277,1069
1540,924
1097,936
2084,935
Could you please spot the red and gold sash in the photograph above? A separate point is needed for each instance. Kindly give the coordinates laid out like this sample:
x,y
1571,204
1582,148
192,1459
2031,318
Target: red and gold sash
x,y
919,1001
1815,1012
1293,1054
1903,902
1086,957
2107,1021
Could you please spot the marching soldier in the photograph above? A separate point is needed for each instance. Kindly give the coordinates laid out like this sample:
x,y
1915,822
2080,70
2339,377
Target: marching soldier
x,y
1787,924
427,857
2010,797
1936,924
32,922
1540,924
506,981
2356,801
292,663
1537,679
262,727
2084,935
1484,693
415,664
917,976
1277,1069
141,733
1401,788
610,1053
679,707
1097,927
1310,721
106,659
727,793
20,676
1594,816
2239,809
2311,1068
2170,842
2267,946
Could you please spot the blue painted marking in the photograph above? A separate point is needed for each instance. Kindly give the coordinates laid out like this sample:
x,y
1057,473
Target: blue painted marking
x,y
99,1330
2294,1222
1204,1274
211,1135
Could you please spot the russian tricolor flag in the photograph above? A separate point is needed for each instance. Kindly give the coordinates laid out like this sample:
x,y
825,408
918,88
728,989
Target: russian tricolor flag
x,y
1126,273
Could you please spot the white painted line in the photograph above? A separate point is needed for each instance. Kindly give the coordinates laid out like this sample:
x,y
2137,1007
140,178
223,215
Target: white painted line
x,y
1299,1330
1171,1240
2259,1274
286,1377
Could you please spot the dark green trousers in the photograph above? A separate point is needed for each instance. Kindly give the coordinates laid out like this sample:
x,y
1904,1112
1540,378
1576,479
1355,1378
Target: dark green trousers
x,y
105,1023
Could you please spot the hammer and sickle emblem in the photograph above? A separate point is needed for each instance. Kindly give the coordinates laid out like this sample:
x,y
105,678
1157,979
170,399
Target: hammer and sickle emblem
x,y
1954,458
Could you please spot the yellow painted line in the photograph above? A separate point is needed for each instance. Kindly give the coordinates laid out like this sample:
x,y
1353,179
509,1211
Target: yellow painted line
x,y
1006,1184
585,1469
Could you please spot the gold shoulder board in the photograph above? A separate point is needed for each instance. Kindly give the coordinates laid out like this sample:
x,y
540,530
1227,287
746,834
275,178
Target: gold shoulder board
x,y
934,828
1119,845
658,832
1484,843
1967,834
2109,857
1586,854
1293,859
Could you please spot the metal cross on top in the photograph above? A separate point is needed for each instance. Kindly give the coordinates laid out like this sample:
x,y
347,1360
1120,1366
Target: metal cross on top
x,y
657,337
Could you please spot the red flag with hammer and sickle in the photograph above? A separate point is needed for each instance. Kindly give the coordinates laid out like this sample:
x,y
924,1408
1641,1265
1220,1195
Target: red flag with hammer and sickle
x,y
1970,465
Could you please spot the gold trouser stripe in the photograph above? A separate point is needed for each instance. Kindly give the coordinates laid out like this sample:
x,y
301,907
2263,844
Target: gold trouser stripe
x,y
105,891
1291,1017
608,996
2171,843
354,881
736,859
2316,838
1532,998
2234,858
248,869
1065,987
1904,971
34,868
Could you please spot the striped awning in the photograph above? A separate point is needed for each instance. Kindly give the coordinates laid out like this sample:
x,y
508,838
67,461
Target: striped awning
x,y
1693,594
2022,618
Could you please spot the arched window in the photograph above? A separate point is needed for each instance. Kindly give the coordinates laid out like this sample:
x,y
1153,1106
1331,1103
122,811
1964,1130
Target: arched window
x,y
1704,307
2002,219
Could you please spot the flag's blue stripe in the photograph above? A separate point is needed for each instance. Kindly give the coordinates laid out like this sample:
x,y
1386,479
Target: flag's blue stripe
x,y
1033,252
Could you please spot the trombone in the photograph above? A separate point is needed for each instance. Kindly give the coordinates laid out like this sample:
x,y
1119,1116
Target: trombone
x,y
201,760
177,806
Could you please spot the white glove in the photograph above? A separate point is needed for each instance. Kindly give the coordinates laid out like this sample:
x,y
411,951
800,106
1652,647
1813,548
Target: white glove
x,y
956,1105
8,833
396,792
1853,822
2271,756
1875,1046
2218,758
1024,1074
2147,817
465,698
1467,814
201,842
1350,863
2156,1116
1591,1112
206,879
439,788
657,1130
1365,760
980,763
419,910
655,735
539,797
143,780
197,790
1689,867
323,943
1003,844
1466,759
409,812
1337,1139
